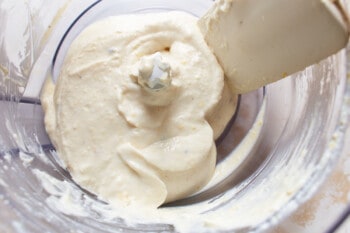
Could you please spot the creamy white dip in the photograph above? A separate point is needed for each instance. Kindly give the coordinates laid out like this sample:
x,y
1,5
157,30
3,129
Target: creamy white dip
x,y
137,107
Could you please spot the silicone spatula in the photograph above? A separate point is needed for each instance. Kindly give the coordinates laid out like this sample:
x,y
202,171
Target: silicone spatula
x,y
258,42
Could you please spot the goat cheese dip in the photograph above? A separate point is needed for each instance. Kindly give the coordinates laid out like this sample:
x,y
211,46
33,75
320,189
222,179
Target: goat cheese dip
x,y
137,107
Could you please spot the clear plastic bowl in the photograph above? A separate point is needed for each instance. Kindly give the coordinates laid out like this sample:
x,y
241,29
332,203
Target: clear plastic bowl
x,y
295,128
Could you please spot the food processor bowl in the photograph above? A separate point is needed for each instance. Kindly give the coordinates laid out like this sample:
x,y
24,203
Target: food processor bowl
x,y
278,148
